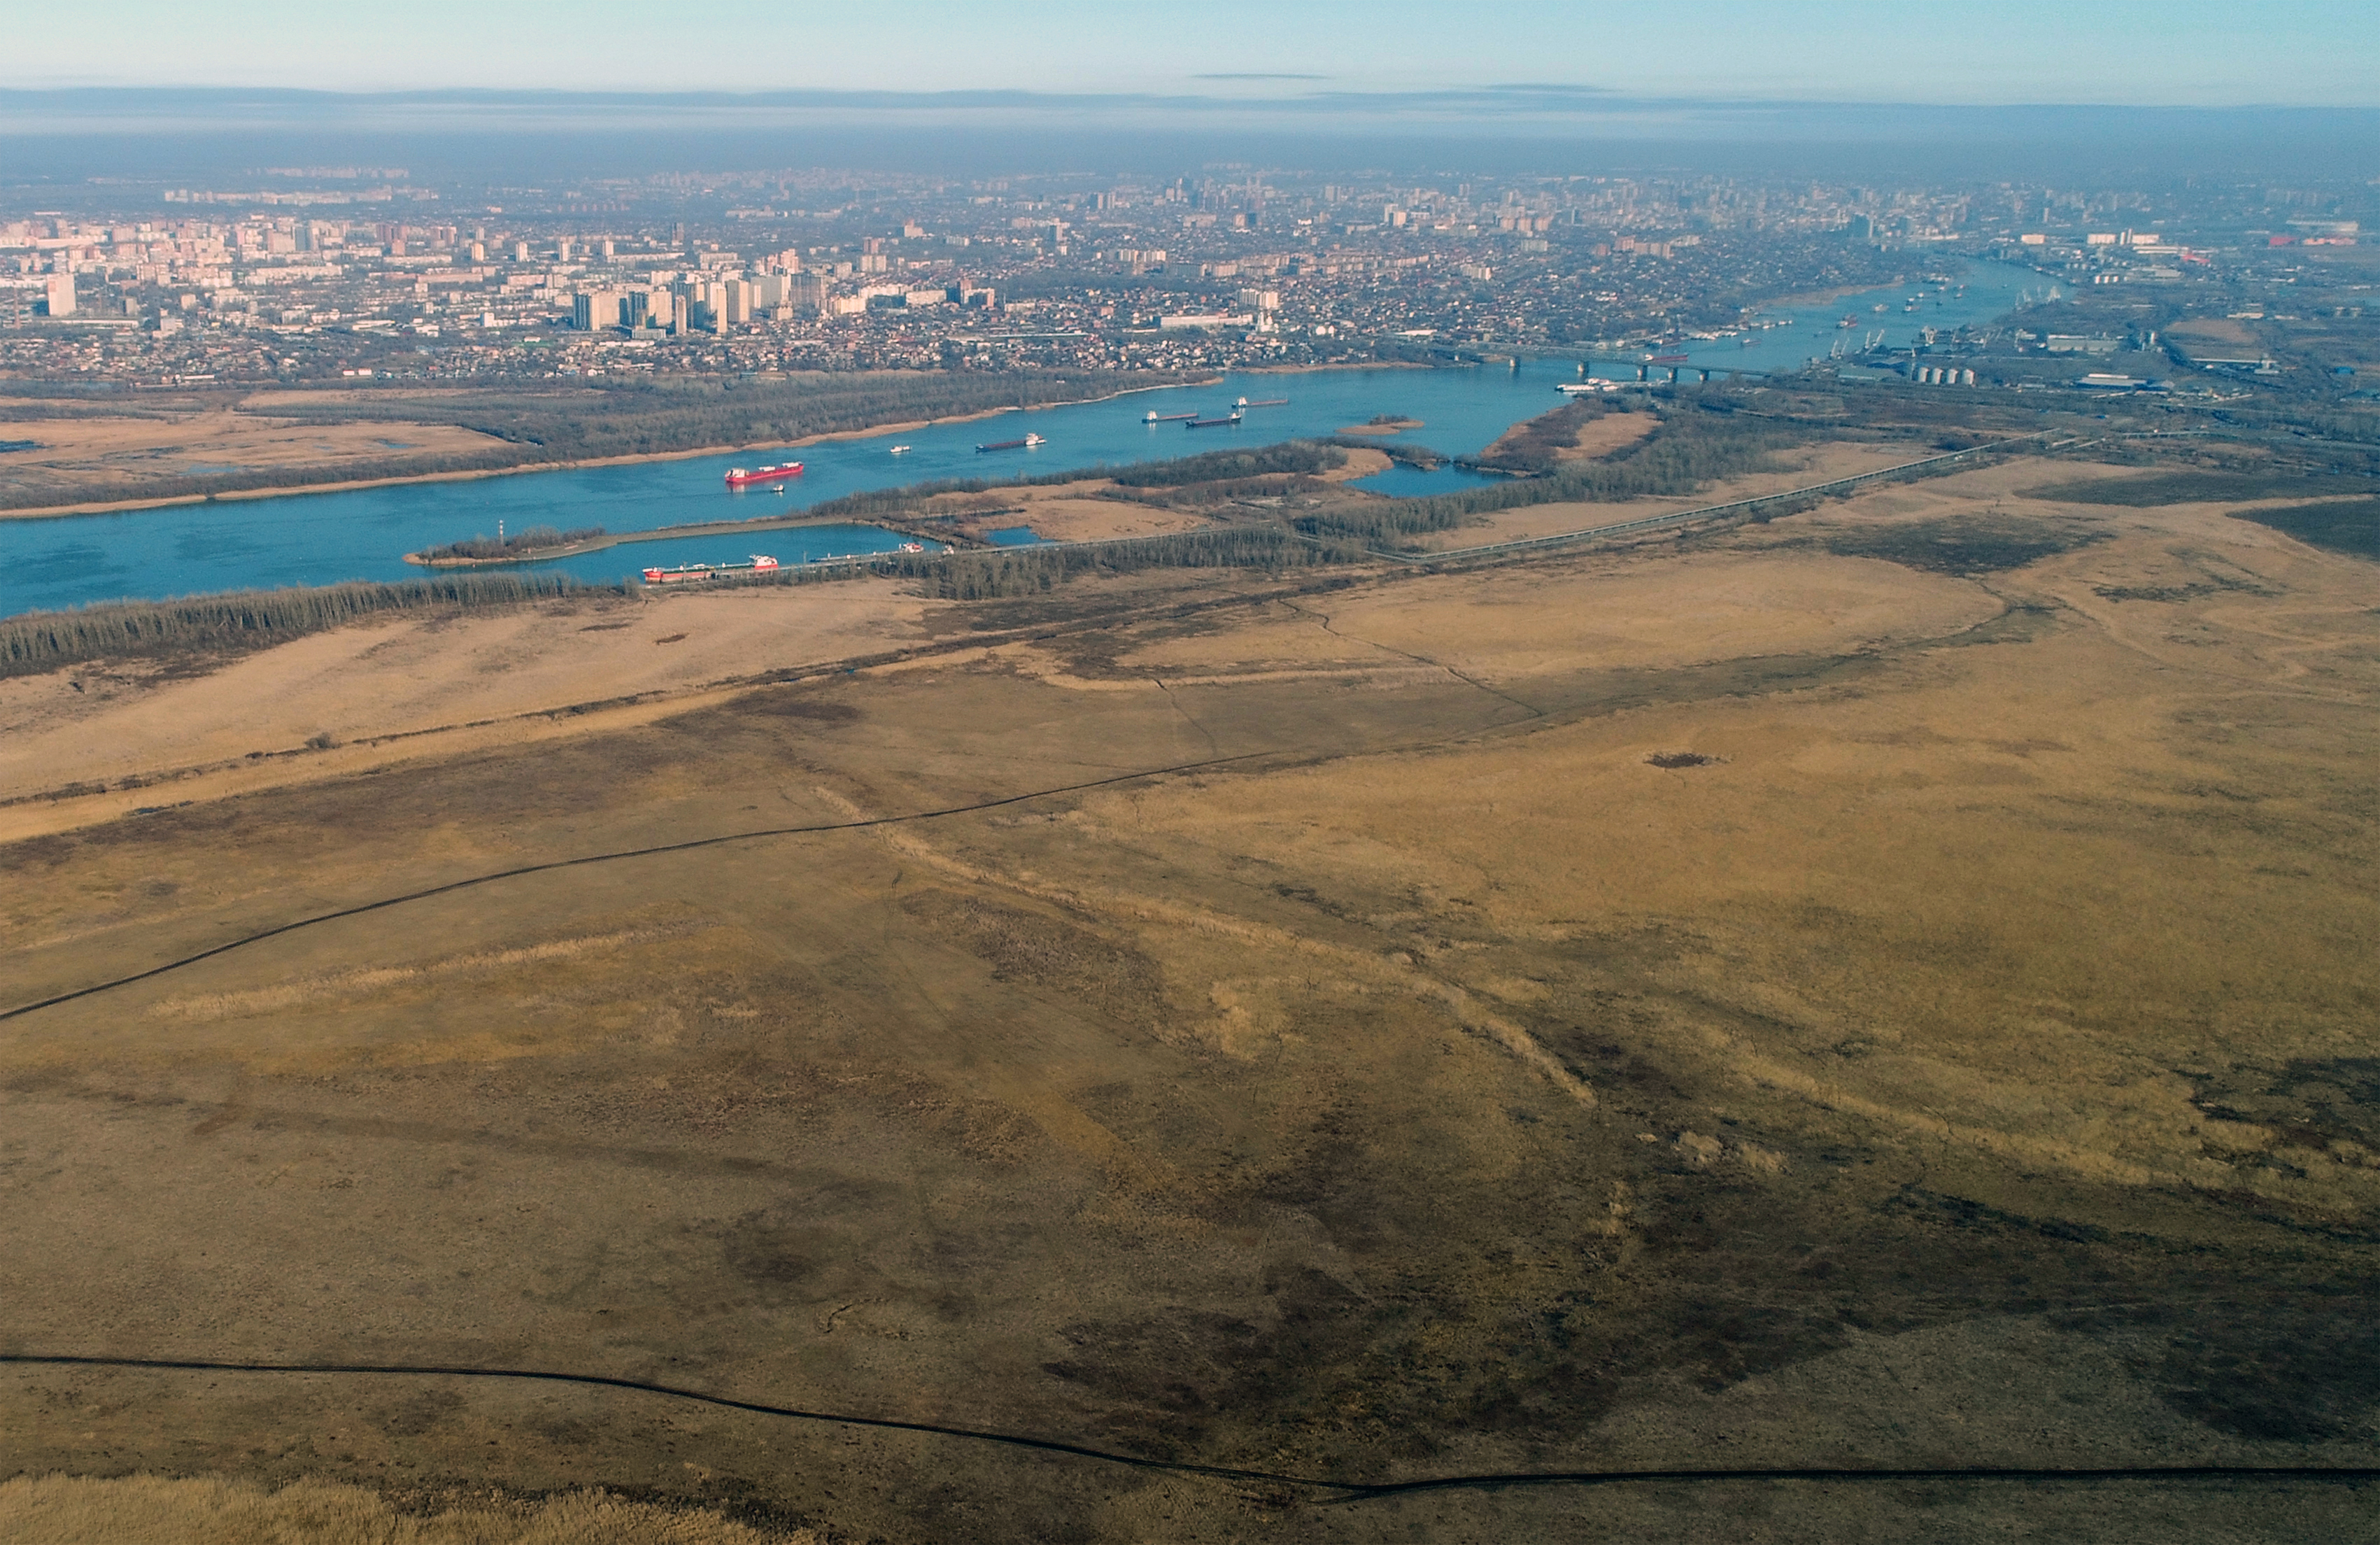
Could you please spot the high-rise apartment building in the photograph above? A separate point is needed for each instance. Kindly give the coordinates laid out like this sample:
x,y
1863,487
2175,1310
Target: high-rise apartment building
x,y
594,310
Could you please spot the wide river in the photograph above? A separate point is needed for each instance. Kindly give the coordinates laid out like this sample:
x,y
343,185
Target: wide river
x,y
363,534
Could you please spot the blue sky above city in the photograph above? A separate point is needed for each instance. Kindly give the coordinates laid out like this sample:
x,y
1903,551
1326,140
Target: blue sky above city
x,y
1313,56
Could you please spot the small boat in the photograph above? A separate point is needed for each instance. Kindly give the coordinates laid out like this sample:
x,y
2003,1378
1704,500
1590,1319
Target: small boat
x,y
901,450
1025,444
685,572
738,478
1154,416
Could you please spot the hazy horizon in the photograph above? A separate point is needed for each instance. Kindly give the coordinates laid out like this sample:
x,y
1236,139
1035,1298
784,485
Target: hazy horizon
x,y
1326,56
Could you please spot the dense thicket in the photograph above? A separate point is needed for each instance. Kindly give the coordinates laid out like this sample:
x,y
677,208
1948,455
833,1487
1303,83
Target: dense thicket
x,y
39,641
516,544
1029,571
1304,457
1224,491
1537,446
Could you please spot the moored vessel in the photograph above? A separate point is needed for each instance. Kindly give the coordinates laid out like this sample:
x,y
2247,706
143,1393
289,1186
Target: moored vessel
x,y
684,573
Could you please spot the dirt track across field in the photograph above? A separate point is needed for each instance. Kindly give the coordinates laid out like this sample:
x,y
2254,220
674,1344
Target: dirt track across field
x,y
1890,986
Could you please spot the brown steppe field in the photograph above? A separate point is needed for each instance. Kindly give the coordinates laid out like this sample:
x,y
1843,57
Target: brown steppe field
x,y
104,460
1891,986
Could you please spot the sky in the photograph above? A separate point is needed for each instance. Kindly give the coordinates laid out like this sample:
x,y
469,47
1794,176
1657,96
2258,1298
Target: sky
x,y
1311,56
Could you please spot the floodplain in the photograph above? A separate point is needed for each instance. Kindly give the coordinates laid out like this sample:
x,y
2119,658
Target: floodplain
x,y
1888,985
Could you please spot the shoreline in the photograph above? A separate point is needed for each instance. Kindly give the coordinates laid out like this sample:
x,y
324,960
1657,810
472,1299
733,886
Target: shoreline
x,y
133,506
124,506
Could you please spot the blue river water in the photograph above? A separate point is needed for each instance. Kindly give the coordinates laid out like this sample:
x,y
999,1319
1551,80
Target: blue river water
x,y
364,533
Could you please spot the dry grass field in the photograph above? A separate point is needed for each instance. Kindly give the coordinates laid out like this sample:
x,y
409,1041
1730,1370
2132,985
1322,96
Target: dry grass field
x,y
102,458
155,1510
1888,987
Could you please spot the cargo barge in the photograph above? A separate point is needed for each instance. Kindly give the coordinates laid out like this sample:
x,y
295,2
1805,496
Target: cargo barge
x,y
1154,416
1211,423
1265,402
1025,444
738,478
683,573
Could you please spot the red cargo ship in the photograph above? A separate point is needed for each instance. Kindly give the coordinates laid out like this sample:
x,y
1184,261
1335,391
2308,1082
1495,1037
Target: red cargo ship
x,y
738,478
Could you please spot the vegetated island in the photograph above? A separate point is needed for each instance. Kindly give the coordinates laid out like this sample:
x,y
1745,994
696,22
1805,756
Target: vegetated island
x,y
1384,423
521,547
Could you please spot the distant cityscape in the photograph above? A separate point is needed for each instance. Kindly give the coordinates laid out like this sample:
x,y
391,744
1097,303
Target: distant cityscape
x,y
359,272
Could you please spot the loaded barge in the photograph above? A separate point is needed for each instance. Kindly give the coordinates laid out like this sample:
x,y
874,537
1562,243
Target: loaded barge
x,y
1025,444
685,572
738,478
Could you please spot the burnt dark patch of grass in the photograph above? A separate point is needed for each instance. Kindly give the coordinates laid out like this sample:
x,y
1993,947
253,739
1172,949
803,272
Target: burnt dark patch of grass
x,y
2197,487
2342,526
1963,547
